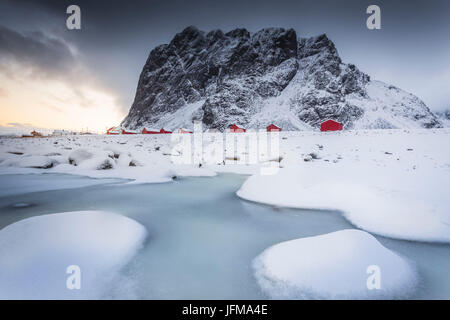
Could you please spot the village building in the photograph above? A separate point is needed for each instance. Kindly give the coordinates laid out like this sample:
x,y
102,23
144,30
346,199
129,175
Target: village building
x,y
150,131
273,128
182,130
235,129
61,132
128,131
113,130
331,125
34,134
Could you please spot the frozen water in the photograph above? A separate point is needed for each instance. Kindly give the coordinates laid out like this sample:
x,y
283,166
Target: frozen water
x,y
202,238
12,184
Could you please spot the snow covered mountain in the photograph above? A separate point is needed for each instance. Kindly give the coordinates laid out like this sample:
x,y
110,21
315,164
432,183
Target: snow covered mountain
x,y
444,117
271,76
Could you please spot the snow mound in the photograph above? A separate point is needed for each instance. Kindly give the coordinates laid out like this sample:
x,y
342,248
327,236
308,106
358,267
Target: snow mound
x,y
386,201
80,155
337,265
36,252
34,161
92,159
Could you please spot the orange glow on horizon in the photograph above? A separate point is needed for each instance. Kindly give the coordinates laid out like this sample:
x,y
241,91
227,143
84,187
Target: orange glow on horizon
x,y
53,104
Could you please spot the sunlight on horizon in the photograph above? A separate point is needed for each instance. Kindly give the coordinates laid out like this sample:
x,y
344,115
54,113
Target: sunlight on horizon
x,y
54,104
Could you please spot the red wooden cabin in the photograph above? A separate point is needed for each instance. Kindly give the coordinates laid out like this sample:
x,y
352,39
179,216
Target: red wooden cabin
x,y
235,129
331,125
128,132
273,127
112,130
151,131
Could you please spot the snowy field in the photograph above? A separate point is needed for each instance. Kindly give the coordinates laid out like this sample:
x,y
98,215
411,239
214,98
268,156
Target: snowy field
x,y
392,184
150,158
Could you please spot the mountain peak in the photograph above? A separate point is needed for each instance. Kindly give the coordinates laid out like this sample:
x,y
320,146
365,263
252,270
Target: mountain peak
x,y
190,30
238,33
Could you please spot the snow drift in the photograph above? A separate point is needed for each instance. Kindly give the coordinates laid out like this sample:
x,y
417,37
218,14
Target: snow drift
x,y
333,266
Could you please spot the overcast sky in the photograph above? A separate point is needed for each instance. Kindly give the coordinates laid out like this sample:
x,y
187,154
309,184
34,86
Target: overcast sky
x,y
53,77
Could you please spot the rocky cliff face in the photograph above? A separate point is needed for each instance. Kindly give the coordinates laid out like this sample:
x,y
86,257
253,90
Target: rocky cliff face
x,y
256,79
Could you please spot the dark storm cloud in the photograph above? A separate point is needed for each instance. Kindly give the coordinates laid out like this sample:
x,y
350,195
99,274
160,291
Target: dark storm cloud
x,y
410,51
49,56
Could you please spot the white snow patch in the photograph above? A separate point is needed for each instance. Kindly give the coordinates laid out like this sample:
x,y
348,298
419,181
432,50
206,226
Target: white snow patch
x,y
35,253
393,203
333,266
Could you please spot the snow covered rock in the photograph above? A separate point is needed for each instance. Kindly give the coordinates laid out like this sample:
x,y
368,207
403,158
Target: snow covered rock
x,y
337,265
387,201
256,79
36,252
92,159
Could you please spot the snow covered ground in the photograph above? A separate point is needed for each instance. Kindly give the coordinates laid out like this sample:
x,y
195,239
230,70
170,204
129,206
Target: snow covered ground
x,y
334,266
392,183
142,159
36,252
